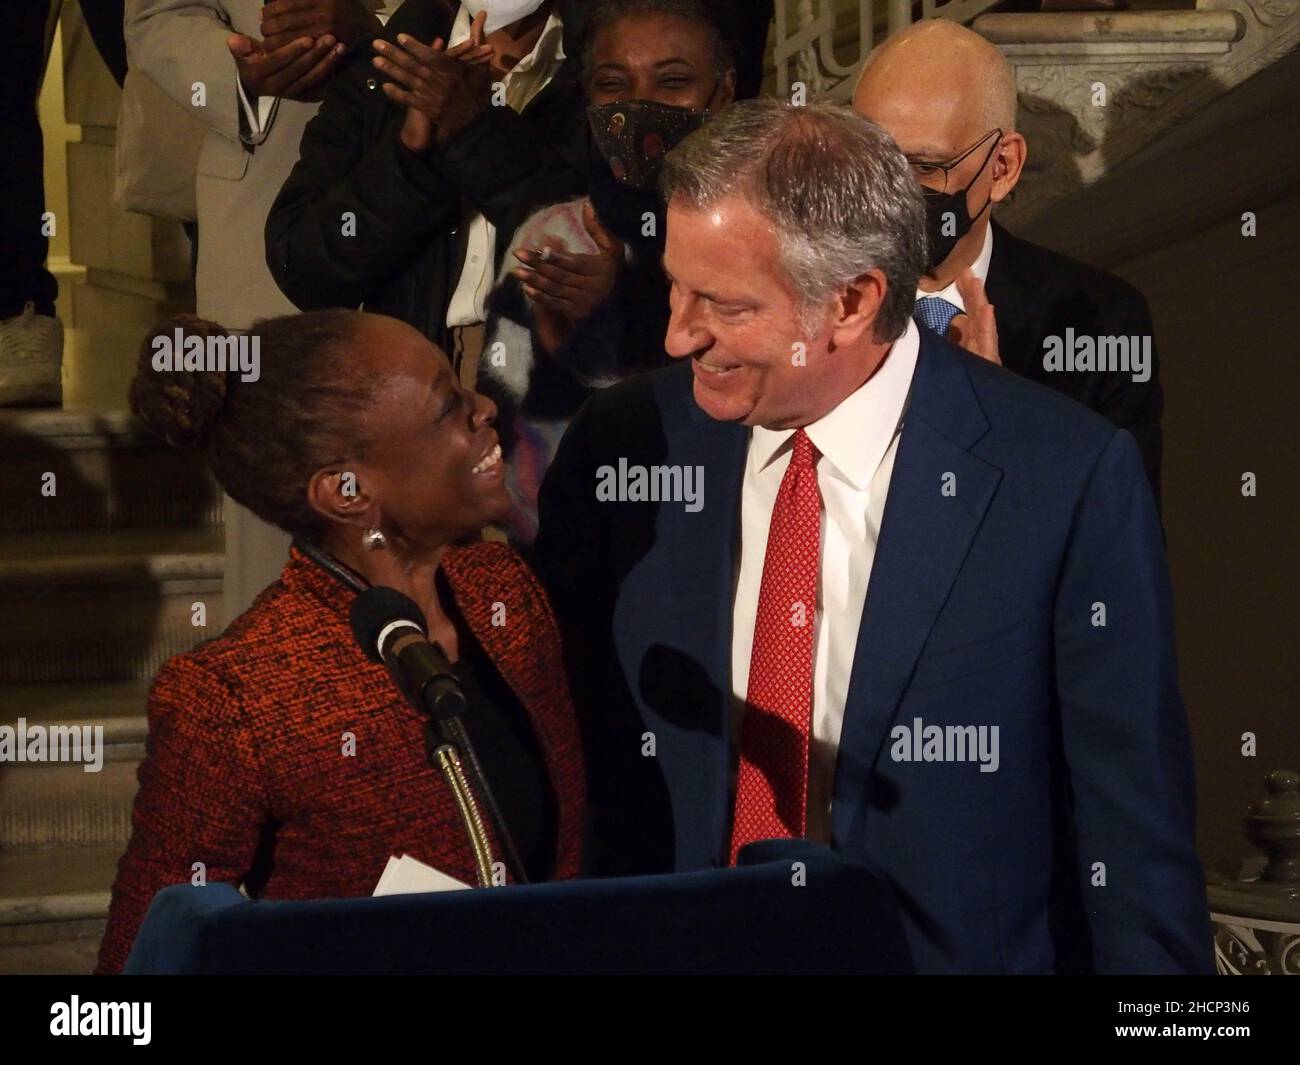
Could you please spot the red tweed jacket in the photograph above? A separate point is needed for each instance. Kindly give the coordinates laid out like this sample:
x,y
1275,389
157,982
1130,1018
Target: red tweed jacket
x,y
249,747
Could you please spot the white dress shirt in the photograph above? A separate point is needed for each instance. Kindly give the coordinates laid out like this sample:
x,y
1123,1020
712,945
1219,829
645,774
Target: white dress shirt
x,y
259,120
525,80
980,268
857,441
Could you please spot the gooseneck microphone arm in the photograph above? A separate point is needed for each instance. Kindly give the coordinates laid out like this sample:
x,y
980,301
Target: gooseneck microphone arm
x,y
442,702
422,671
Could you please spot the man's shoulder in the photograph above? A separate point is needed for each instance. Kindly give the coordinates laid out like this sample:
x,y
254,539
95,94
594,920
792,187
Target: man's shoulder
x,y
1004,393
664,395
1055,274
1029,423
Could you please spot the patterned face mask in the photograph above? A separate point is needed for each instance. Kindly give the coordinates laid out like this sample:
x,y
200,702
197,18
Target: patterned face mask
x,y
635,135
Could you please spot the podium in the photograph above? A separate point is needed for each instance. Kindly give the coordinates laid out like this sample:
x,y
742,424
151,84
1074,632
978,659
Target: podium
x,y
789,907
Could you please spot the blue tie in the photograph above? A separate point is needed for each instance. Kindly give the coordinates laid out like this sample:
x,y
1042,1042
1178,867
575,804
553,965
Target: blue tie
x,y
935,312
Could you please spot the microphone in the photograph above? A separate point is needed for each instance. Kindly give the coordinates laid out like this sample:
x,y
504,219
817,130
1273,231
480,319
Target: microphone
x,y
390,628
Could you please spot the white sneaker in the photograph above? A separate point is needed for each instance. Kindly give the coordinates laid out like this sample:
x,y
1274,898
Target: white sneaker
x,y
31,359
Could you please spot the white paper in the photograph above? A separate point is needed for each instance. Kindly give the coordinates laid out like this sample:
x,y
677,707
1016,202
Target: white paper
x,y
404,875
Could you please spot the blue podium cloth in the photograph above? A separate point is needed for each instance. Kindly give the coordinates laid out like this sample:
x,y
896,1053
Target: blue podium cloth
x,y
756,918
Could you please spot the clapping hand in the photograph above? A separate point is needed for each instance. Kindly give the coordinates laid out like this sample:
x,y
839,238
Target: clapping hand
x,y
443,89
295,70
284,21
565,286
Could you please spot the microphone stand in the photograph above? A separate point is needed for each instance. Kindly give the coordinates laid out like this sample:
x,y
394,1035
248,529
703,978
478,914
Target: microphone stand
x,y
444,742
444,756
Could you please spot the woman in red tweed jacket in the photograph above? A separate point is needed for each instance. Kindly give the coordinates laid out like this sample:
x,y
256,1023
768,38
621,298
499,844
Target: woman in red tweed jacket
x,y
279,757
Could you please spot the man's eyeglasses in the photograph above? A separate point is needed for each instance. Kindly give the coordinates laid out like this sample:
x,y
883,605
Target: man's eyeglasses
x,y
934,176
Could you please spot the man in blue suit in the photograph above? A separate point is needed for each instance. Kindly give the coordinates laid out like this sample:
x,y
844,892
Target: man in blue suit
x,y
832,577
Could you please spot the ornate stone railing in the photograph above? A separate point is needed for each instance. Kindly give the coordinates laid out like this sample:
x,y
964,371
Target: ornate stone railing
x,y
808,33
1257,919
1096,89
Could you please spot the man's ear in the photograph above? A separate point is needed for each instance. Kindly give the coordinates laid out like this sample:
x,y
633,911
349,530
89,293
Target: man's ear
x,y
1008,164
338,494
858,307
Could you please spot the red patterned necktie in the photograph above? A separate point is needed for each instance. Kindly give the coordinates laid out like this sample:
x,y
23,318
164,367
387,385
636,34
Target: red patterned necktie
x,y
772,783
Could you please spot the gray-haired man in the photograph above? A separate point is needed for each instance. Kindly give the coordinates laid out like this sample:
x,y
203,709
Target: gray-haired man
x,y
881,629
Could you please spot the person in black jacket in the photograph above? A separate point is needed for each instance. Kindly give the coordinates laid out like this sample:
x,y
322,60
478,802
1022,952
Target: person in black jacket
x,y
365,219
948,98
585,302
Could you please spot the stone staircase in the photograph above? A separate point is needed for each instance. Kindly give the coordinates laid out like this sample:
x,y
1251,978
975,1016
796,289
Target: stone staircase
x,y
106,543
99,581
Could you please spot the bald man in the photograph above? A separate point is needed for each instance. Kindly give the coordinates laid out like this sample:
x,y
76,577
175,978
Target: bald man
x,y
948,98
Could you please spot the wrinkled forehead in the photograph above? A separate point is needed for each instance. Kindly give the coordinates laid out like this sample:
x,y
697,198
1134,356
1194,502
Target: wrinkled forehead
x,y
724,248
644,39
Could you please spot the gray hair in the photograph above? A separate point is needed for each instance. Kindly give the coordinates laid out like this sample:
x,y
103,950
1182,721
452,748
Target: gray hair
x,y
835,186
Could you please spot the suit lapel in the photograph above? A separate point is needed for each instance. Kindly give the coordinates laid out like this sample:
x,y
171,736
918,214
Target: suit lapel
x,y
924,538
700,554
701,547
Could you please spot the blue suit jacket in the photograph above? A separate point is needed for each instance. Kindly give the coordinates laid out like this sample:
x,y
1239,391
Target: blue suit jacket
x,y
982,609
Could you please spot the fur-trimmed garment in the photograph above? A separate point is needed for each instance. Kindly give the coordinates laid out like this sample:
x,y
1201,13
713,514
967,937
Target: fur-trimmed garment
x,y
281,759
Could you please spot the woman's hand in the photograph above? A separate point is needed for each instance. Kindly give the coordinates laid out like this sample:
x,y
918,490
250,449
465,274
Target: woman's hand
x,y
566,287
443,89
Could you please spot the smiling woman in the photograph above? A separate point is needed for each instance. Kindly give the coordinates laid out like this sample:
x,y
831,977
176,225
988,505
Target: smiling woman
x,y
585,305
279,758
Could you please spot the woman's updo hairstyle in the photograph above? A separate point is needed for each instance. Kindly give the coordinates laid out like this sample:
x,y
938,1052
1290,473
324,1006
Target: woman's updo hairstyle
x,y
265,437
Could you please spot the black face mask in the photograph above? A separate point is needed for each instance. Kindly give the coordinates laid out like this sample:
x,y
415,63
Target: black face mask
x,y
631,139
635,135
937,208
635,216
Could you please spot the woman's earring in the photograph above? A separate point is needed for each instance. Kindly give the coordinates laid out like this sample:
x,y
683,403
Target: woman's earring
x,y
373,539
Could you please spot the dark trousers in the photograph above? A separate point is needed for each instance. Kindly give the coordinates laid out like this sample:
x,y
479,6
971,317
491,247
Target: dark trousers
x,y
23,245
104,21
